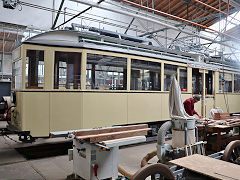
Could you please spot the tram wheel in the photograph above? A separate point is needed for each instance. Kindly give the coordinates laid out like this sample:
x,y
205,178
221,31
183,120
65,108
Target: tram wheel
x,y
232,152
152,170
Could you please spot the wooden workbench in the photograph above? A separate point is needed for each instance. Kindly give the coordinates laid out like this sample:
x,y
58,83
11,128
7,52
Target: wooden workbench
x,y
220,131
214,168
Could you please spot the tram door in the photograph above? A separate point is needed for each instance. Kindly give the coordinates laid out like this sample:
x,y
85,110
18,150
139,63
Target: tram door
x,y
205,89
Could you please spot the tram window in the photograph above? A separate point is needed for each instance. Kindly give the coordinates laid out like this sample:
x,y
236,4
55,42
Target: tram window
x,y
237,83
67,70
196,81
183,79
145,75
106,72
209,82
169,71
17,75
225,80
221,79
34,69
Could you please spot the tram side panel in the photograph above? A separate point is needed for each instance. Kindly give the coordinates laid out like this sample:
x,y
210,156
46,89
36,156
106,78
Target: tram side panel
x,y
17,115
235,103
228,100
165,106
66,111
45,112
145,107
32,113
209,103
149,107
104,109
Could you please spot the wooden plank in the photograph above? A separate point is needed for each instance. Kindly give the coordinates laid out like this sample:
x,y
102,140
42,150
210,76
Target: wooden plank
x,y
209,166
113,135
109,130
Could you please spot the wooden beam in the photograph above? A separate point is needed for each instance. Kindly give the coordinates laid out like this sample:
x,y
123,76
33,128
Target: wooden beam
x,y
179,6
113,135
169,6
109,130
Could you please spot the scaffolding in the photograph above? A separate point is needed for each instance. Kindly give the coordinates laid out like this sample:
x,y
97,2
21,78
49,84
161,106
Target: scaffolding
x,y
148,22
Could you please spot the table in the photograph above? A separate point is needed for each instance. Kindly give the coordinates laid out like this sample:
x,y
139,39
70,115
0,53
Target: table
x,y
209,130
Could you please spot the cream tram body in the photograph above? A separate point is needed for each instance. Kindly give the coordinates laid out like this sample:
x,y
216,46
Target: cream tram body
x,y
61,84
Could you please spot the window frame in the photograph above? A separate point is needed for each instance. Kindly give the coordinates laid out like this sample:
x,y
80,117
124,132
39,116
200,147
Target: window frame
x,y
221,91
179,76
238,74
110,55
160,79
49,56
74,80
25,66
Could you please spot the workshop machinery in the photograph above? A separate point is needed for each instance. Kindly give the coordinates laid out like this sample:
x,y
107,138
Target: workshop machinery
x,y
184,132
95,151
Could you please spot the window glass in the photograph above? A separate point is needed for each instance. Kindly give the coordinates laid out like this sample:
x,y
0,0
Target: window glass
x,y
169,71
236,83
67,70
183,79
209,82
145,75
221,80
197,81
225,82
17,75
34,69
106,72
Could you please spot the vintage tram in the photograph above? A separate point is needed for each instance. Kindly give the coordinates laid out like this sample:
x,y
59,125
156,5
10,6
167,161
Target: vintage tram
x,y
68,80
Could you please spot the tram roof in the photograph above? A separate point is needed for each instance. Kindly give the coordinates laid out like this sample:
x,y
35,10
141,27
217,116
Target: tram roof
x,y
91,40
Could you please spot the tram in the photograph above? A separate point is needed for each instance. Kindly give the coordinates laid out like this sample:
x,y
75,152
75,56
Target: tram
x,y
69,80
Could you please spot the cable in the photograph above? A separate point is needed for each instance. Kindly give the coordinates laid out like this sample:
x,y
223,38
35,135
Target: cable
x,y
5,135
11,139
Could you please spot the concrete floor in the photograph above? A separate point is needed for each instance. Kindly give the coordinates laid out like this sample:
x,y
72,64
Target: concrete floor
x,y
14,166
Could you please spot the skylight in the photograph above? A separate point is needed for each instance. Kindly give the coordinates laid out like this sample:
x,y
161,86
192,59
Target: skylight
x,y
231,23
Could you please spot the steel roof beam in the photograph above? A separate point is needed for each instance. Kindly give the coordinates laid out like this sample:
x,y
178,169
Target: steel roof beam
x,y
153,19
214,16
233,3
58,13
129,25
77,15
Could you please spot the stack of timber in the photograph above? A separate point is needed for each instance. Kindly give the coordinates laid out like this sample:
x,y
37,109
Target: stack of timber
x,y
221,116
226,122
105,134
224,119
